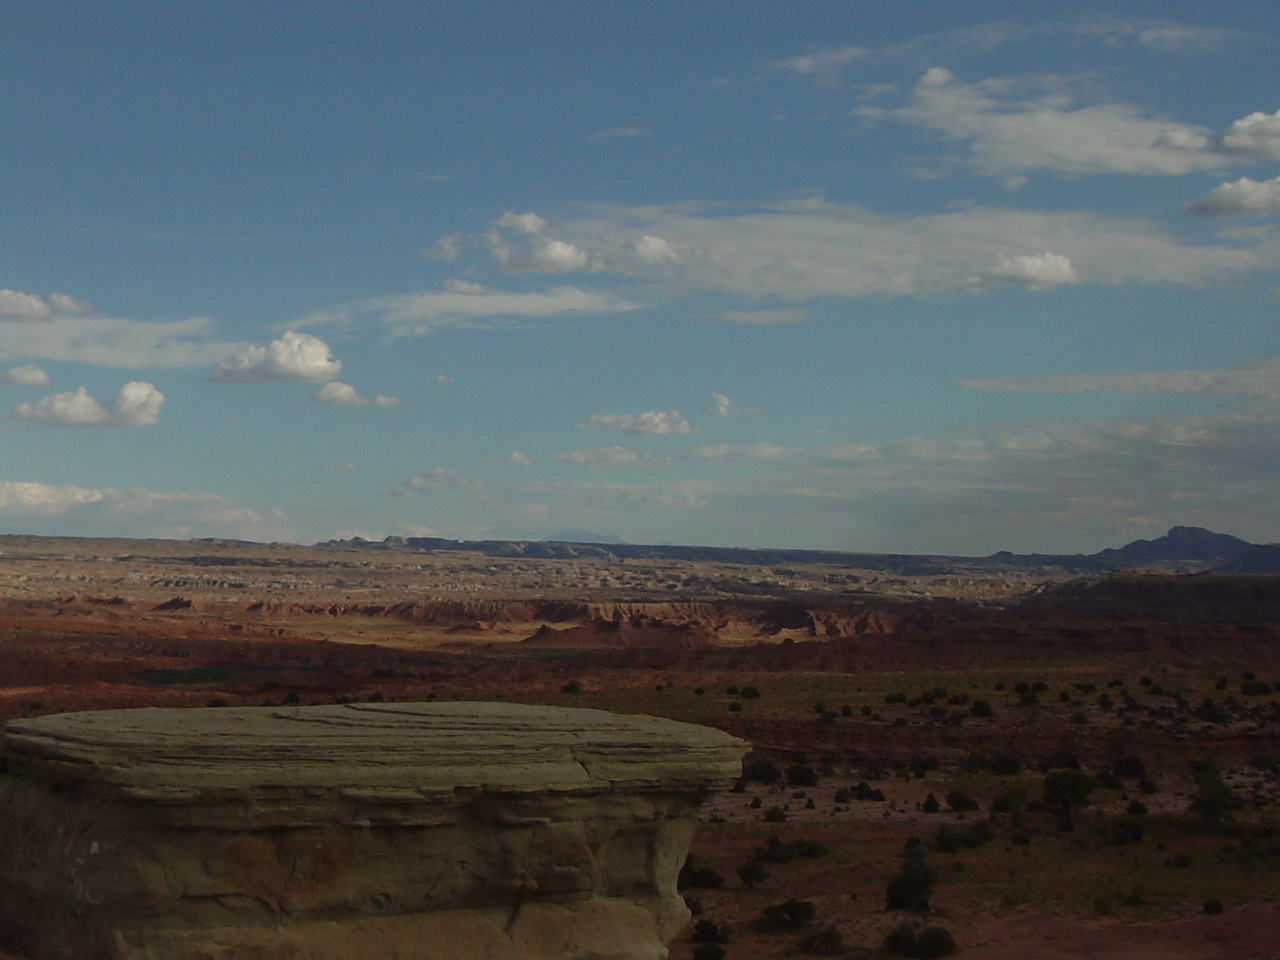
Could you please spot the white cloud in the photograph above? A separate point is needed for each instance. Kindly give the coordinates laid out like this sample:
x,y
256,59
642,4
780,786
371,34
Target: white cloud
x,y
751,451
1017,125
1238,198
137,404
526,223
653,249
1042,271
720,406
69,304
440,478
613,457
1260,380
446,248
515,456
765,318
464,286
295,357
813,249
27,375
651,422
443,378
113,342
1257,136
468,305
344,395
15,305
620,133
135,512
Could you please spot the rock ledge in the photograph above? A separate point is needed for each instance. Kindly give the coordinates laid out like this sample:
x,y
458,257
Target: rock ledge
x,y
416,831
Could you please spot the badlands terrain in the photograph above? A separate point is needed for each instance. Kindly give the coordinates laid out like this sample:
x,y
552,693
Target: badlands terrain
x,y
1114,719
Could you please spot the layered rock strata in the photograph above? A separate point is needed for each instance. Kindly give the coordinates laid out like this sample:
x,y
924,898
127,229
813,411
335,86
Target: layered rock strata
x,y
419,831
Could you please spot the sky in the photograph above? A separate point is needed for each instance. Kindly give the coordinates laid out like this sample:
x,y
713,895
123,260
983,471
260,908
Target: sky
x,y
923,278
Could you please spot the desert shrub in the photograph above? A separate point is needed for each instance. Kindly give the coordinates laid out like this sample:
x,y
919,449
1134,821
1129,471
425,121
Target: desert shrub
x,y
775,815
846,710
788,915
861,791
961,802
750,693
1012,801
1256,688
1136,808
1059,760
819,707
843,795
762,770
1067,791
573,686
735,706
699,691
1213,801
752,872
704,931
1148,786
913,940
919,766
694,875
895,698
1129,766
708,951
777,850
1122,831
981,708
826,942
1108,780
930,804
911,889
951,837
731,691
756,803
802,775
1214,906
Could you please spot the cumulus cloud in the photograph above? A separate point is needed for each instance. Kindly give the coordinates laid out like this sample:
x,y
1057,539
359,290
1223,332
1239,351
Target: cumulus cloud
x,y
344,395
68,304
720,406
1042,271
27,375
137,512
463,304
515,241
1259,380
446,248
440,478
613,457
1256,136
653,249
1241,197
295,357
526,223
651,422
15,305
515,456
136,405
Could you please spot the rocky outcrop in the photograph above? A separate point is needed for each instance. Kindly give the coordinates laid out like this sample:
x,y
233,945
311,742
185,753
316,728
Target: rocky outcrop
x,y
410,831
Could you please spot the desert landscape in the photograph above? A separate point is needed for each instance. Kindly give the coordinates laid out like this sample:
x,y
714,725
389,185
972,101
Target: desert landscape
x,y
1006,756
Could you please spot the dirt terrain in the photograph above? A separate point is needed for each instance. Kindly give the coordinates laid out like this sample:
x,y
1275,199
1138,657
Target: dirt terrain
x,y
869,693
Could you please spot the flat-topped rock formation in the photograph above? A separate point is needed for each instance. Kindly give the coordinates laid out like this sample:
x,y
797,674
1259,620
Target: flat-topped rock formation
x,y
409,831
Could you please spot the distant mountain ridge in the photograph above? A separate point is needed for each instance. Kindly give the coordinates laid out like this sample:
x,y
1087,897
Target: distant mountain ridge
x,y
1181,550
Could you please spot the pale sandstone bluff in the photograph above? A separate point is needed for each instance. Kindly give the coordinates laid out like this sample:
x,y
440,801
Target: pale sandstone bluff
x,y
410,831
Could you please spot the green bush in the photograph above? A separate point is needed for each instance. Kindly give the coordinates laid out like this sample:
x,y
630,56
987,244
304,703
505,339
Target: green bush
x,y
1214,906
693,875
802,775
775,815
961,802
708,951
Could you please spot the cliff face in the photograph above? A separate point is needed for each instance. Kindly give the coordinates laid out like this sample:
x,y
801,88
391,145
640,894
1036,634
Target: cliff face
x,y
409,831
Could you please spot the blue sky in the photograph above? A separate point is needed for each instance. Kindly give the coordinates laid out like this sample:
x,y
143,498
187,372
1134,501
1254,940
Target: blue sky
x,y
930,277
